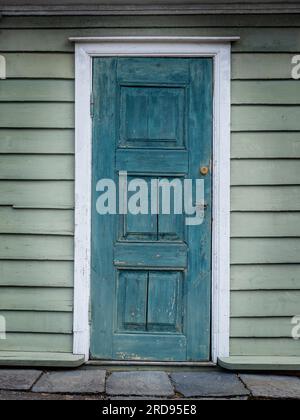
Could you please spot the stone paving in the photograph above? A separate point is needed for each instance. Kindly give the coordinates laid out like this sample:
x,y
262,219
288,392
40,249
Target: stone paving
x,y
97,384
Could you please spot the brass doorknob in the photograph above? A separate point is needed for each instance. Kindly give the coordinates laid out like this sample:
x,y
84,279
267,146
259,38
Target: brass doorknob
x,y
204,170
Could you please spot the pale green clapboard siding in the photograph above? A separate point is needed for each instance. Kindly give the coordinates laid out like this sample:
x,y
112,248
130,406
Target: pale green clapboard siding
x,y
265,118
38,141
35,251
36,115
261,327
261,66
259,225
52,66
265,172
264,347
265,145
60,343
33,167
32,247
151,21
265,303
38,322
36,273
47,222
37,194
36,299
57,40
37,91
265,198
270,92
265,250
265,277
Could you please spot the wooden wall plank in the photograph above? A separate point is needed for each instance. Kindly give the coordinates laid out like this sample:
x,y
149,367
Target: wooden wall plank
x,y
265,303
281,20
267,66
38,322
27,247
37,90
265,172
265,277
264,347
56,40
52,66
37,167
265,145
37,273
29,221
265,118
261,327
284,92
37,194
28,141
37,115
261,225
265,251
265,198
36,299
27,342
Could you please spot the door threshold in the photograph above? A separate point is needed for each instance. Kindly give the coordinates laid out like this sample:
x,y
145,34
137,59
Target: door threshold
x,y
149,365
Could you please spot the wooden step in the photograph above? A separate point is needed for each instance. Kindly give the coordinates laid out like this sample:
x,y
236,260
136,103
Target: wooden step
x,y
260,363
38,359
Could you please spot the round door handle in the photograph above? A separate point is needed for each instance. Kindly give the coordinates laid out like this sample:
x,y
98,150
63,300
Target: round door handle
x,y
204,170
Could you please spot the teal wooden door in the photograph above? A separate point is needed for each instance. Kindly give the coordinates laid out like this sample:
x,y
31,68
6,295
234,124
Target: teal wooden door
x,y
151,273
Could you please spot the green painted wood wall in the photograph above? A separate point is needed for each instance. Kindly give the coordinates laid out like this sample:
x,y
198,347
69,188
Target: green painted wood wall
x,y
37,175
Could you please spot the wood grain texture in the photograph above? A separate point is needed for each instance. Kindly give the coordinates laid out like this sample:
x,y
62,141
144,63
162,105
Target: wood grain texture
x,y
265,277
265,251
265,303
265,198
265,93
36,299
261,327
37,91
261,225
37,194
265,118
265,172
265,145
56,40
33,22
28,342
36,167
266,66
36,273
38,322
38,141
36,115
45,65
30,247
264,347
36,222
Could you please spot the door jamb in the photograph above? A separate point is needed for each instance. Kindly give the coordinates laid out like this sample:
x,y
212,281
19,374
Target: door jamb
x,y
220,50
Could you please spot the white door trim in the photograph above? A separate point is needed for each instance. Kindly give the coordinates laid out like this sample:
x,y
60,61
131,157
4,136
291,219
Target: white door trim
x,y
220,50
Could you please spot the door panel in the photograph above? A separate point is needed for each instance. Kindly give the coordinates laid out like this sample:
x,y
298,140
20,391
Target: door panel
x,y
151,273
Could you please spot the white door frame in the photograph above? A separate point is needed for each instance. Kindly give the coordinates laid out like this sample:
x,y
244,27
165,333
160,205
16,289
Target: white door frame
x,y
220,50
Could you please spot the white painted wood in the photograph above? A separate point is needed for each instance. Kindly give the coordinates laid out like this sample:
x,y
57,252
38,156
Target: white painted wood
x,y
219,49
2,67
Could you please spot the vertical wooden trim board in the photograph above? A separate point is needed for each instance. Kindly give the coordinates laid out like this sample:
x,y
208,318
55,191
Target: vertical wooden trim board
x,y
220,50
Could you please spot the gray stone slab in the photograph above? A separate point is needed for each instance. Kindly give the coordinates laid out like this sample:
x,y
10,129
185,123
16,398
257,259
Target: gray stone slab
x,y
273,387
18,379
203,384
29,396
139,384
82,381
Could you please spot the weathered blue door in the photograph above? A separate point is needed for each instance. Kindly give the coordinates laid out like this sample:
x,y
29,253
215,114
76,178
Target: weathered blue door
x,y
151,273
